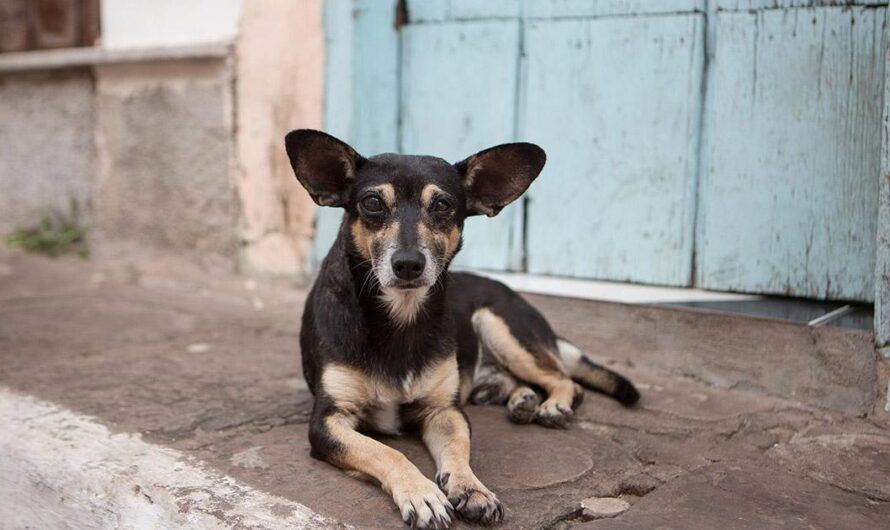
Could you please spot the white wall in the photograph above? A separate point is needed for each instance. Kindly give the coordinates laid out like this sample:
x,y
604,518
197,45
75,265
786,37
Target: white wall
x,y
153,23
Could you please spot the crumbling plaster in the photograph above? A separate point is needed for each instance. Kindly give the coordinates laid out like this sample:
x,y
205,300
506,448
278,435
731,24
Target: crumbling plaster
x,y
279,86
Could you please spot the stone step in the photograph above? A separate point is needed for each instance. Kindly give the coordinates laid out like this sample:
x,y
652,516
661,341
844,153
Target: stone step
x,y
65,470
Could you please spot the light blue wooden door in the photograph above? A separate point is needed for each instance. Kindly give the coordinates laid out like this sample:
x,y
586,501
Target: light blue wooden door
x,y
361,89
792,152
568,75
754,170
434,87
615,102
458,97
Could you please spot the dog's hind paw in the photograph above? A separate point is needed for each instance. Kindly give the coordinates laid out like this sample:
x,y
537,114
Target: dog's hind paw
x,y
423,506
471,500
522,405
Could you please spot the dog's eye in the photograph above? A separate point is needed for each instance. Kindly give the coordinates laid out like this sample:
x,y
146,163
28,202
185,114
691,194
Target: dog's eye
x,y
441,206
372,204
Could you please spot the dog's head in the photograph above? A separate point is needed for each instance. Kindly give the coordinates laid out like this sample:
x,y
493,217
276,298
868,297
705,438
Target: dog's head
x,y
406,213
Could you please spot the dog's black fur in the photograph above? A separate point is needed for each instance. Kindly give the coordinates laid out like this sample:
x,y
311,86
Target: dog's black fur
x,y
393,342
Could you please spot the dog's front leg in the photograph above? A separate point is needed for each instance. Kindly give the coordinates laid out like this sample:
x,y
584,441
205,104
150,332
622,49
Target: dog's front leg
x,y
446,433
335,440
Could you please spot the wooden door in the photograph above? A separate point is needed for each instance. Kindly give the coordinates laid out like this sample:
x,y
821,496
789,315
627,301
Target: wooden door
x,y
615,101
791,162
727,144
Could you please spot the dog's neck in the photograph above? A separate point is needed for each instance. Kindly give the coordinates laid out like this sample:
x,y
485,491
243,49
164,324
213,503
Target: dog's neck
x,y
392,349
404,305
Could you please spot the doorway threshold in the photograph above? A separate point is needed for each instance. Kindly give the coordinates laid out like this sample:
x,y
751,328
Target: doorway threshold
x,y
814,313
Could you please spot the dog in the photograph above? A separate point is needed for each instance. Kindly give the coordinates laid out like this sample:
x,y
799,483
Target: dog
x,y
393,343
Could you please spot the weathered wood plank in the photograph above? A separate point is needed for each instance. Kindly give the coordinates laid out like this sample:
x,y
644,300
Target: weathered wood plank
x,y
55,23
338,108
338,67
615,102
788,191
362,55
470,9
458,97
882,268
428,10
443,10
747,5
588,8
14,25
375,106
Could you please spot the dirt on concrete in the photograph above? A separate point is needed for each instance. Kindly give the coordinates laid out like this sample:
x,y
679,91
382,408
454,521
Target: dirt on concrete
x,y
743,423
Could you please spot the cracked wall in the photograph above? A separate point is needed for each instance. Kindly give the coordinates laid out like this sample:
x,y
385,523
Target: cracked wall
x,y
48,160
164,139
279,86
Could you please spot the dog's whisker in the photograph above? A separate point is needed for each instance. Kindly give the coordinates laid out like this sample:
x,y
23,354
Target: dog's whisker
x,y
369,276
359,264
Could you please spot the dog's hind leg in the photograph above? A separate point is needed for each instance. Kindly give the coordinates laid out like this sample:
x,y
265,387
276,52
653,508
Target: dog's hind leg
x,y
534,364
492,384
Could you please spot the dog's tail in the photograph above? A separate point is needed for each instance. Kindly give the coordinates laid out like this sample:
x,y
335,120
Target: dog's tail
x,y
588,374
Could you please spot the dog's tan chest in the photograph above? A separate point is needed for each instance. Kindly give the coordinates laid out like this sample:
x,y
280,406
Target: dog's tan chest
x,y
377,402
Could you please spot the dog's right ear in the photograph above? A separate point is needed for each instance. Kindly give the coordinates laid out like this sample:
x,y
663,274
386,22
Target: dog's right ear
x,y
324,165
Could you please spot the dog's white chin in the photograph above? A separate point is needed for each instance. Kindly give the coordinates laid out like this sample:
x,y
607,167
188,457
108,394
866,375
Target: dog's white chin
x,y
404,305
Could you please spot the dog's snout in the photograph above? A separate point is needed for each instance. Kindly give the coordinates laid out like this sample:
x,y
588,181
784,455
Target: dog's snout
x,y
408,264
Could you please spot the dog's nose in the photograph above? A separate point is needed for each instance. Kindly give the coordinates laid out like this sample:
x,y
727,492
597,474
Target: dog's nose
x,y
408,264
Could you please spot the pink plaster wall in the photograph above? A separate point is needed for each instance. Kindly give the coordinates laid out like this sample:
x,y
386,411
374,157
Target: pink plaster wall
x,y
279,86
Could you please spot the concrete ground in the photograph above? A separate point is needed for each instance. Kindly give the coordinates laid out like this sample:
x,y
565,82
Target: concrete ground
x,y
138,392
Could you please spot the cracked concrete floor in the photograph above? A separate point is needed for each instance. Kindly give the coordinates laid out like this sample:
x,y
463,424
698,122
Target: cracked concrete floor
x,y
744,423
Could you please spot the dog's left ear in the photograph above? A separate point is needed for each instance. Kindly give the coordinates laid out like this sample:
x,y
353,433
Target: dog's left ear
x,y
497,176
324,165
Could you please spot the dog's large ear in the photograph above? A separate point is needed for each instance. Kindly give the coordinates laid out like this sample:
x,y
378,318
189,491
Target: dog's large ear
x,y
497,176
324,165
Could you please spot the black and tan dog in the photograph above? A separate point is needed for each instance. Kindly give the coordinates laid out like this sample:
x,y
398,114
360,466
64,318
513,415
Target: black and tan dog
x,y
393,343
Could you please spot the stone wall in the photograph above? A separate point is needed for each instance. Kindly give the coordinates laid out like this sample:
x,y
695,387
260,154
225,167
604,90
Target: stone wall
x,y
47,157
178,148
165,142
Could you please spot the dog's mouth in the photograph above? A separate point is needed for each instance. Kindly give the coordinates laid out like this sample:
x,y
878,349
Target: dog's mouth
x,y
405,285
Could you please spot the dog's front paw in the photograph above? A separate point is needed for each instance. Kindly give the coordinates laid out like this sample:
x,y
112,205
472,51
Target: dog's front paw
x,y
472,501
553,414
423,506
